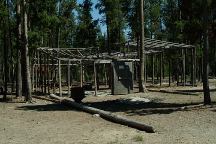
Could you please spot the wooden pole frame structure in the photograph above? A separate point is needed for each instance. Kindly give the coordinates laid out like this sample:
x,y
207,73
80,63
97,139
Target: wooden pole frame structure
x,y
83,55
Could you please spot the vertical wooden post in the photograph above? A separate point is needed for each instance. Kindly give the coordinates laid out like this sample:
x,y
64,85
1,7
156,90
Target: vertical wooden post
x,y
42,72
193,67
69,76
51,75
45,73
95,78
38,71
33,76
59,72
54,80
48,76
161,70
195,70
163,64
36,77
32,73
157,67
153,68
105,69
40,78
169,72
184,66
202,68
81,74
35,72
145,69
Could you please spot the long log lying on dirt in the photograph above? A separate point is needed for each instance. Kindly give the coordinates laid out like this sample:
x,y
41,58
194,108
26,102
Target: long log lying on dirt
x,y
172,92
106,115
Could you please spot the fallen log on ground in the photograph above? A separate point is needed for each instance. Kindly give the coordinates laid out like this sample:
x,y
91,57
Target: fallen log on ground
x,y
106,115
172,92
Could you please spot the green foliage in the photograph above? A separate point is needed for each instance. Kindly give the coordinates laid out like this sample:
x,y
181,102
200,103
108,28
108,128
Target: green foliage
x,y
86,33
115,21
54,22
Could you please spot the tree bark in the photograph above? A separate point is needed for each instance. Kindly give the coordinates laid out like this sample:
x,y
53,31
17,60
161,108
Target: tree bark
x,y
18,74
207,98
6,49
5,65
25,55
142,54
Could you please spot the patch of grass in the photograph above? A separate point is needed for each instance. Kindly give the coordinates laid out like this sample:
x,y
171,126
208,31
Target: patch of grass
x,y
114,142
138,138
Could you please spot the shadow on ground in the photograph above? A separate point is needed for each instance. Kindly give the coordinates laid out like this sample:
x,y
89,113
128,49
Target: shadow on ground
x,y
125,106
47,107
139,108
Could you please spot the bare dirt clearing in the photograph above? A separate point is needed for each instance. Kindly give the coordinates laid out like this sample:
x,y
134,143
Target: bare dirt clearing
x,y
46,122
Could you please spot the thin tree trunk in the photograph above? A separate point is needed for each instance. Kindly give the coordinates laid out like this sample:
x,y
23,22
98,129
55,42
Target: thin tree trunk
x,y
25,56
5,66
6,48
142,55
18,74
11,64
207,98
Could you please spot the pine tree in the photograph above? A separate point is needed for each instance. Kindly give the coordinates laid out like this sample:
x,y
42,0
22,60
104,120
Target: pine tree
x,y
26,78
115,22
86,35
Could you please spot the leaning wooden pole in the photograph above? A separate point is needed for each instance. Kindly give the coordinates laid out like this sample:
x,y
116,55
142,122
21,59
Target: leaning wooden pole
x,y
106,115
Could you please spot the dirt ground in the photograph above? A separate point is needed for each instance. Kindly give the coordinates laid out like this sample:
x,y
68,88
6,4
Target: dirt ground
x,y
48,123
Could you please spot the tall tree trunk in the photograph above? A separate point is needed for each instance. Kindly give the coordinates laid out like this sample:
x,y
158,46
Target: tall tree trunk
x,y
6,49
142,54
18,74
207,98
5,64
11,64
25,55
